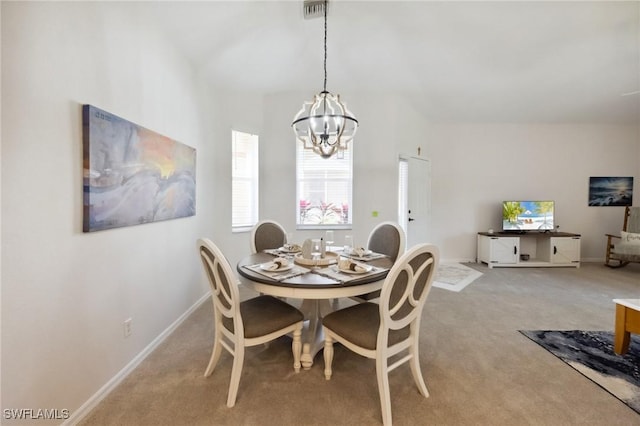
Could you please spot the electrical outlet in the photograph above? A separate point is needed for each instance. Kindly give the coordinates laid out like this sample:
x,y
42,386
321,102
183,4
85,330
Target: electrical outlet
x,y
127,327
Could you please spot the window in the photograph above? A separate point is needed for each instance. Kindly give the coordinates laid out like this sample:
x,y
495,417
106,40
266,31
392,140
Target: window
x,y
244,177
324,189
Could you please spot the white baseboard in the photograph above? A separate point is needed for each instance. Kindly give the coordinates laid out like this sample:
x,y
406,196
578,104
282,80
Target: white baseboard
x,y
593,260
457,260
92,402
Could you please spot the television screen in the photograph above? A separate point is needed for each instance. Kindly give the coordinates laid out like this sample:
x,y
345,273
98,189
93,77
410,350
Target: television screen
x,y
527,215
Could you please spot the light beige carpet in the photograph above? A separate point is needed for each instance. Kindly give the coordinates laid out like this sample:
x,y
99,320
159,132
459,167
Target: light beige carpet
x,y
479,369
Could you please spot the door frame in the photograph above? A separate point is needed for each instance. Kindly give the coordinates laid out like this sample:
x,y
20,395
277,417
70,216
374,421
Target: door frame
x,y
405,225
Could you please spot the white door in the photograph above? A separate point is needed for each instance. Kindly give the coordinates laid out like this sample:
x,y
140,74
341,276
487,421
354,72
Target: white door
x,y
414,209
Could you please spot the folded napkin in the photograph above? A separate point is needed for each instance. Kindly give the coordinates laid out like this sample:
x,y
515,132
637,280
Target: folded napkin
x,y
278,263
359,251
350,265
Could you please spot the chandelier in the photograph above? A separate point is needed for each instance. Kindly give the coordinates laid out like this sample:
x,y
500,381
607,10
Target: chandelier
x,y
325,125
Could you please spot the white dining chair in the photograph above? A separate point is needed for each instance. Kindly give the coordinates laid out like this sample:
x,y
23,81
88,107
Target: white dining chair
x,y
389,328
242,324
387,238
267,234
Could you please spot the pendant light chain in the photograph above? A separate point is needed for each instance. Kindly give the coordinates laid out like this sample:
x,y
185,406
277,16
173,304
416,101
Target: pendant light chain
x,y
326,3
325,125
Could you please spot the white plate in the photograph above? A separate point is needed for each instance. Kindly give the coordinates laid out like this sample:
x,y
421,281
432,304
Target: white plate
x,y
365,254
285,250
367,268
266,266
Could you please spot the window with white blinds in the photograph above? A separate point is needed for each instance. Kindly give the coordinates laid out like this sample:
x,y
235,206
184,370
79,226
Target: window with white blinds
x,y
245,182
324,187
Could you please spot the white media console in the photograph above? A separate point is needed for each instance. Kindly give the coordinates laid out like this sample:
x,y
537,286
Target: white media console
x,y
531,249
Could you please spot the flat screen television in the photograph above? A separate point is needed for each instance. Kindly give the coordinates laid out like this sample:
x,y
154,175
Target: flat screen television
x,y
523,216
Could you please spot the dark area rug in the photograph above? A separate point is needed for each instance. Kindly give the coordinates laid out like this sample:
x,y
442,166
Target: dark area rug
x,y
591,353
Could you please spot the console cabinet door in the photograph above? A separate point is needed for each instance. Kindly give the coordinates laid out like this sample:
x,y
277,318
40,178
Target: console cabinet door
x,y
504,249
564,250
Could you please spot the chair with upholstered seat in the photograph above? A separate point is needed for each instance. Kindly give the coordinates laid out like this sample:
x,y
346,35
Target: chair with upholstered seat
x,y
625,248
390,328
267,234
241,324
386,238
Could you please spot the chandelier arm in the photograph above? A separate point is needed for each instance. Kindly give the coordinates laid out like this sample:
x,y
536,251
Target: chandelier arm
x,y
307,117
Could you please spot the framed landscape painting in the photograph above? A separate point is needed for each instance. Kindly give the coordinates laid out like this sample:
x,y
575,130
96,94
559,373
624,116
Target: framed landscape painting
x,y
133,175
610,191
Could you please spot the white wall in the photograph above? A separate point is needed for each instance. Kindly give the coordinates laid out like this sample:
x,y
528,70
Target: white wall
x,y
65,294
477,166
237,111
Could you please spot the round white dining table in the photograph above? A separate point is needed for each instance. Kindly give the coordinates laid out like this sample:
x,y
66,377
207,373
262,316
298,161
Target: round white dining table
x,y
315,290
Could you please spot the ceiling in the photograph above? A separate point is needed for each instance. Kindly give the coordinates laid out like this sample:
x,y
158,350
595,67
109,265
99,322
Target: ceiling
x,y
507,61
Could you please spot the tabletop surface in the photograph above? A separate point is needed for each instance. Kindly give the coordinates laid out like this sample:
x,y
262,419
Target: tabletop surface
x,y
629,303
312,277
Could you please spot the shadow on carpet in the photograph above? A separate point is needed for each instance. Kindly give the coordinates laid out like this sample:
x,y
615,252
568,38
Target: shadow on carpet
x,y
591,353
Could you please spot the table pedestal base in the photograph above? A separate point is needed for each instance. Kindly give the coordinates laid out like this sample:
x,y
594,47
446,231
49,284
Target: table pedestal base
x,y
312,336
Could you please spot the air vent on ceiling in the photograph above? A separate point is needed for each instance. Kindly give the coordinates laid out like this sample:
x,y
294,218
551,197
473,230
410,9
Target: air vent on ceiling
x,y
313,9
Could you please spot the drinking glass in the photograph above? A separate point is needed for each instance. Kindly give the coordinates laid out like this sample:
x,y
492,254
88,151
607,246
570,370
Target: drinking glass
x,y
316,249
348,243
328,238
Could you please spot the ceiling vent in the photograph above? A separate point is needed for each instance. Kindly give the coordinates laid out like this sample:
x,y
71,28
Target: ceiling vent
x,y
313,9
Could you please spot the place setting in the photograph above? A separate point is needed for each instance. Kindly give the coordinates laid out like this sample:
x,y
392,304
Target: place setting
x,y
347,269
358,253
287,250
279,269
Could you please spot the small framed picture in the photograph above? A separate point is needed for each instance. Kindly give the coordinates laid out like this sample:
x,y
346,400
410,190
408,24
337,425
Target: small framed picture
x,y
610,191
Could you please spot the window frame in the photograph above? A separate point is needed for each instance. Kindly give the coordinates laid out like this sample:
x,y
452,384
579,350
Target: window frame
x,y
252,177
306,155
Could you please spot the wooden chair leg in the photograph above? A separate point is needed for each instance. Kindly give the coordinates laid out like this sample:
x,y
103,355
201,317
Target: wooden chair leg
x,y
236,371
215,355
328,356
620,263
382,374
415,370
296,347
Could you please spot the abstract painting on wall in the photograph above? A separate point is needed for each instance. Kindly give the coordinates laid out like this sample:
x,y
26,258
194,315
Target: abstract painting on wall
x,y
133,175
610,191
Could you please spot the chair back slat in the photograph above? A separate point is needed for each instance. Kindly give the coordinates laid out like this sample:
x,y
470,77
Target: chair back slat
x,y
406,287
